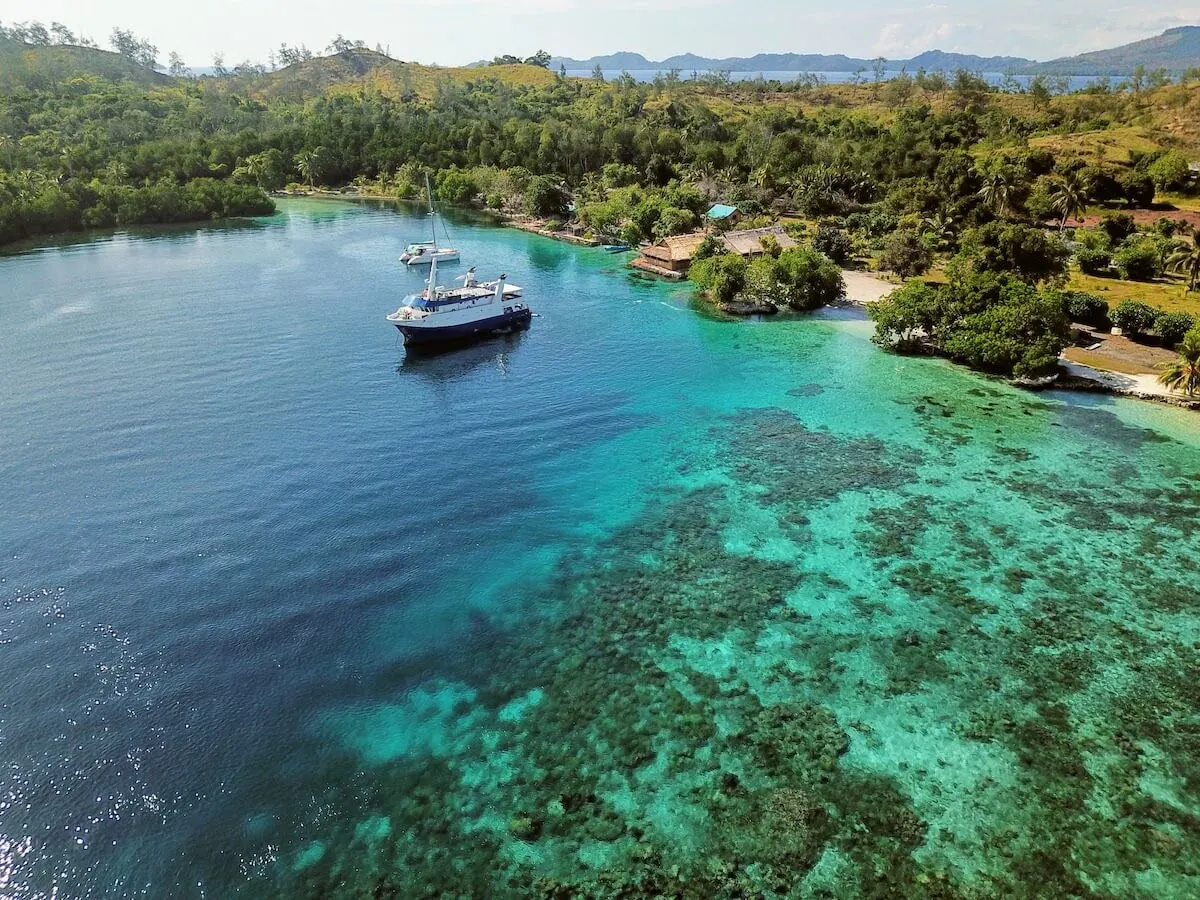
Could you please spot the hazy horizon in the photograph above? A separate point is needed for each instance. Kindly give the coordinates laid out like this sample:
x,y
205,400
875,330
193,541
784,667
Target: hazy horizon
x,y
429,31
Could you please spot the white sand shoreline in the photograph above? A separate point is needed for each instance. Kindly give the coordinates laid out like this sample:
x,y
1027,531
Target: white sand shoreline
x,y
864,289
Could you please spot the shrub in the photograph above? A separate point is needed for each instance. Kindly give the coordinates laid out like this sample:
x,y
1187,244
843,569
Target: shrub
x,y
1012,328
808,280
770,246
1171,328
617,175
1040,202
1093,262
876,223
904,315
1168,228
817,200
1103,186
722,277
1029,253
1139,258
1170,172
1087,309
1138,189
834,244
799,278
494,201
709,247
673,220
1118,226
906,255
453,186
1134,318
544,197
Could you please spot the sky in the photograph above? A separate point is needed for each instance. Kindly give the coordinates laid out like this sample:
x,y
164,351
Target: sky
x,y
455,32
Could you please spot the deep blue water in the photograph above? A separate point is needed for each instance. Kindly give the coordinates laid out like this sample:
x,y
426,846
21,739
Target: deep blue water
x,y
231,499
257,560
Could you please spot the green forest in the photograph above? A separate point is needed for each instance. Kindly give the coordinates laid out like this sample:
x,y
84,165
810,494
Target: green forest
x,y
975,190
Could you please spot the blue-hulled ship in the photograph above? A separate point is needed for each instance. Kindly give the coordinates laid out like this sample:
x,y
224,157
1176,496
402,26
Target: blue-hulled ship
x,y
446,315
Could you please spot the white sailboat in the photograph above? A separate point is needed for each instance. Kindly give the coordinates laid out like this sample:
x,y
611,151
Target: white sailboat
x,y
423,253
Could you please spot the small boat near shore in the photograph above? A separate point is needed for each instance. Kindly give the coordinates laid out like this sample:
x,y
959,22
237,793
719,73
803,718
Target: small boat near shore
x,y
423,253
615,248
440,315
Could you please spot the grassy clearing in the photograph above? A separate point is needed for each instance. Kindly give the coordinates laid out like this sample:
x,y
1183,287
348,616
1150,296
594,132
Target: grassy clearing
x,y
1180,202
1110,146
396,79
1168,295
1106,362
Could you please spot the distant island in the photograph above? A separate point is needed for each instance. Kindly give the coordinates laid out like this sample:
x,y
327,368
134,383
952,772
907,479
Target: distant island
x,y
1175,50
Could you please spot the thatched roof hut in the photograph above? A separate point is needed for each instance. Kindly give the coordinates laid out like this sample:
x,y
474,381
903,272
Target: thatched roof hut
x,y
749,242
674,254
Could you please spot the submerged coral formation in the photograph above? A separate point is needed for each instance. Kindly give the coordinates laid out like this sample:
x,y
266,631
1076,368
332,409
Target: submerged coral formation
x,y
904,693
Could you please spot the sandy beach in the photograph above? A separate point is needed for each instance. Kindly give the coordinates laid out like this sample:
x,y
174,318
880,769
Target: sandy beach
x,y
862,288
1146,387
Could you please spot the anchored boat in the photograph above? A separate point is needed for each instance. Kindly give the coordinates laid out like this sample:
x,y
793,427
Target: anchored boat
x,y
423,253
443,315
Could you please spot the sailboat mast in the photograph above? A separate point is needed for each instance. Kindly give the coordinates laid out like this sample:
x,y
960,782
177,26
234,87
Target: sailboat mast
x,y
432,214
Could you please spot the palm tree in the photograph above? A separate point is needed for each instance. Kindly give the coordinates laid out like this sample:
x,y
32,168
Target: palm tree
x,y
762,177
997,194
942,227
69,155
257,167
308,163
1186,261
116,172
1184,374
28,182
1069,198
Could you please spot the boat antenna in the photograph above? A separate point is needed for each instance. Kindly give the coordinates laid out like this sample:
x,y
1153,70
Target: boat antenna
x,y
432,214
433,278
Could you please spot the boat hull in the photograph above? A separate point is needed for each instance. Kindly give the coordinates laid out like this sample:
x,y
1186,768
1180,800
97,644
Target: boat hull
x,y
425,259
424,335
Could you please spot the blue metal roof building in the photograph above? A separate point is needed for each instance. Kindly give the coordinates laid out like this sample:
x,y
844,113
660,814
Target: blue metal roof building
x,y
721,211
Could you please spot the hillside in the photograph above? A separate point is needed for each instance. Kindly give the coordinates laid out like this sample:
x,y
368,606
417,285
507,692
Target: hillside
x,y
313,77
1174,50
25,65
354,69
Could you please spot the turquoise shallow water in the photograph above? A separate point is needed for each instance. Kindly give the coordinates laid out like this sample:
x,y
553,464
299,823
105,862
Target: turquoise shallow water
x,y
636,603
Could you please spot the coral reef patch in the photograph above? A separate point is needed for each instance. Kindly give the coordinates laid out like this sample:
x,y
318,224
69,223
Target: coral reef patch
x,y
927,696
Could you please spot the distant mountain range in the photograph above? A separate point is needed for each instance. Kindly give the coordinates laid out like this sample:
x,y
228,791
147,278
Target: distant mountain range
x,y
1174,50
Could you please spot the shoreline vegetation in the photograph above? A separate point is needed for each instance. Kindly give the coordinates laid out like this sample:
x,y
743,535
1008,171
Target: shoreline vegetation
x,y
861,290
1014,217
